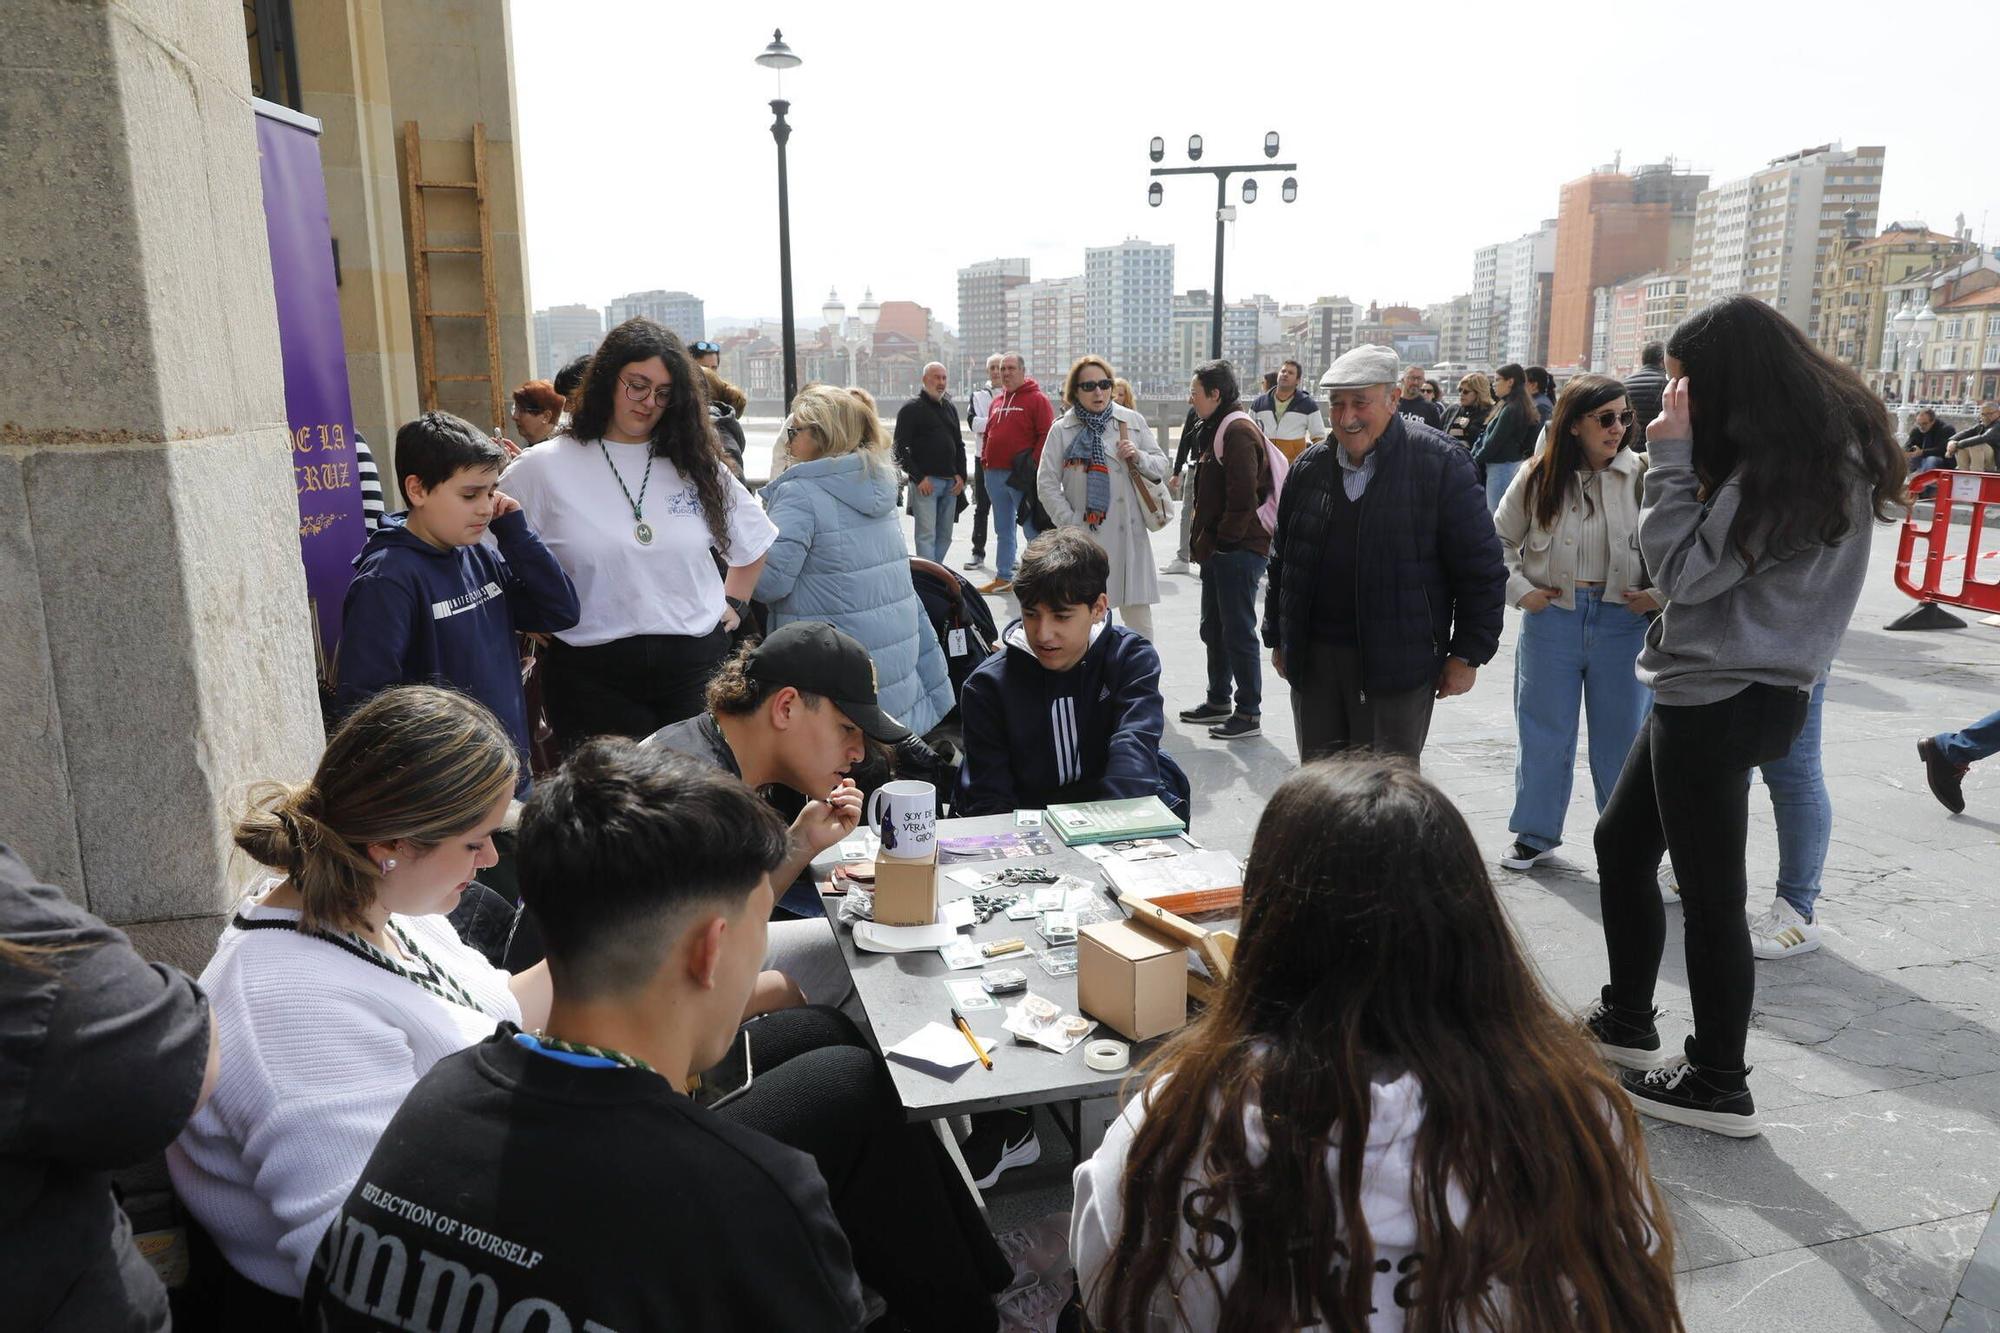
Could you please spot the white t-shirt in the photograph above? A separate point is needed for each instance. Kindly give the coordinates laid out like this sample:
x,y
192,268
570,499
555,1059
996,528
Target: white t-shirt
x,y
625,587
319,1048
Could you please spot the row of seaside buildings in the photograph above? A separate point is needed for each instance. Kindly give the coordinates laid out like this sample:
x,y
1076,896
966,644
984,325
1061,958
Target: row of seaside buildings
x,y
1624,259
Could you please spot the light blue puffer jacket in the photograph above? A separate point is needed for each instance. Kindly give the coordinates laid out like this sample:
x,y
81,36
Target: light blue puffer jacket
x,y
840,558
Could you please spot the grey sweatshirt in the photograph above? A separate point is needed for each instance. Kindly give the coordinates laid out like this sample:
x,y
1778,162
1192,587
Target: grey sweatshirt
x,y
1724,627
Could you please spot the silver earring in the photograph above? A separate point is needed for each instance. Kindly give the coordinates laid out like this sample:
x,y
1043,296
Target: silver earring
x,y
388,865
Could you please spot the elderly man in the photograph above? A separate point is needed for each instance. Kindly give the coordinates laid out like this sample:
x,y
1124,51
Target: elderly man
x,y
1016,424
1386,587
931,452
1928,441
1974,448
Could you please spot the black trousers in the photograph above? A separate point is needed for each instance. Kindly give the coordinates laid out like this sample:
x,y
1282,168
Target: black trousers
x,y
1331,711
917,1236
1685,790
981,508
628,687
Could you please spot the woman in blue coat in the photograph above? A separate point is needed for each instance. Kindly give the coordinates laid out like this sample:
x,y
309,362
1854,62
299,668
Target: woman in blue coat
x,y
840,555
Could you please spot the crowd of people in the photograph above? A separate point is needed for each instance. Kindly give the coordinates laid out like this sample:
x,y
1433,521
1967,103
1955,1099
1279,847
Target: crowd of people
x,y
376,1113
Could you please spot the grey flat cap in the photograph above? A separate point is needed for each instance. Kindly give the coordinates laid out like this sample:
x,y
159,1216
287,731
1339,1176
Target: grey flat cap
x,y
1362,366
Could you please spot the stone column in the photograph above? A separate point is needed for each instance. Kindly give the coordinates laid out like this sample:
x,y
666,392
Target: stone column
x,y
154,647
344,81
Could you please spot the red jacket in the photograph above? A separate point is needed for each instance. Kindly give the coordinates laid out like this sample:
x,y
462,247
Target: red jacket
x,y
1016,424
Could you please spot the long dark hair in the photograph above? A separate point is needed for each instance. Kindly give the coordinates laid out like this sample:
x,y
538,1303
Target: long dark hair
x,y
1372,939
1518,397
1798,426
1554,471
682,435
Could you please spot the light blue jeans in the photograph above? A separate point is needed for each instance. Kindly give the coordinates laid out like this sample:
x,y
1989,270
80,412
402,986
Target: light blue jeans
x,y
1498,477
935,513
1803,810
1563,658
1009,507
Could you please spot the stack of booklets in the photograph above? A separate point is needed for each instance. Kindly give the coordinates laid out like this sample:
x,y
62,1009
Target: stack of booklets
x,y
1113,821
1186,885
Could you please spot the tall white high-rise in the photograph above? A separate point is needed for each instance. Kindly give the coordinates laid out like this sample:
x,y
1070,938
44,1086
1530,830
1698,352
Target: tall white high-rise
x,y
679,311
982,313
1768,234
1131,310
1048,324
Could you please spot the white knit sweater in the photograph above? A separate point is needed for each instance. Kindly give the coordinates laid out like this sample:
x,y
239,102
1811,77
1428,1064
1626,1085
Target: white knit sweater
x,y
319,1048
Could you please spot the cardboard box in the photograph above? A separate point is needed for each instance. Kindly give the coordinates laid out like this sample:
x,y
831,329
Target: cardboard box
x,y
906,892
1132,980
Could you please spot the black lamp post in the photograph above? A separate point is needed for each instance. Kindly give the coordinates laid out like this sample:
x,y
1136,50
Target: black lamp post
x,y
1223,212
777,56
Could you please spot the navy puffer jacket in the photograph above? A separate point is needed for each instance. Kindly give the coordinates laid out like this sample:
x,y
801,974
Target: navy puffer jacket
x,y
1429,580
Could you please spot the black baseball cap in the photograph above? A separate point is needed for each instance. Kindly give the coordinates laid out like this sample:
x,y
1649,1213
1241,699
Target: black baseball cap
x,y
703,348
813,656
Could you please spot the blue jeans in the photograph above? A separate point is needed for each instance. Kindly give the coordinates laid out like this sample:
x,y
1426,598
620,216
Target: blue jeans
x,y
1229,582
1009,507
1803,810
1563,658
1498,477
935,513
1979,741
1925,463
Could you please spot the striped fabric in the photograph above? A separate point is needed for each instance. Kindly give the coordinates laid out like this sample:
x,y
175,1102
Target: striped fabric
x,y
1069,756
371,484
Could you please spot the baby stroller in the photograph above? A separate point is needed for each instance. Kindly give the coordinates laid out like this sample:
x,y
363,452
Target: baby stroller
x,y
960,618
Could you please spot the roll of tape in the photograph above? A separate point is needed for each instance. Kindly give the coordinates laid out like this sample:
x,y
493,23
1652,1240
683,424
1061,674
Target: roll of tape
x,y
1106,1056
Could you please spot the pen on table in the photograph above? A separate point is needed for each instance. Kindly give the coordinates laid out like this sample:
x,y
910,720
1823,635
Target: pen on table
x,y
958,1021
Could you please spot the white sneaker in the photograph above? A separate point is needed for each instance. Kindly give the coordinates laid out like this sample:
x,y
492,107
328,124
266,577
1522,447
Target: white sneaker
x,y
1781,932
1670,888
1174,566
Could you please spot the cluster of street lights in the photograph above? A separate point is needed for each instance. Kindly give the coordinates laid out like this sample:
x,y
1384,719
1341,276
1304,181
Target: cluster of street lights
x,y
1224,213
1913,333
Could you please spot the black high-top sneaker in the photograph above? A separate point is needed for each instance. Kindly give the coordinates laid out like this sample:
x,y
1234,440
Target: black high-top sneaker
x,y
1627,1037
1681,1091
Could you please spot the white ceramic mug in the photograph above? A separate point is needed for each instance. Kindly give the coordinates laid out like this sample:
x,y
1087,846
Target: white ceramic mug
x,y
904,816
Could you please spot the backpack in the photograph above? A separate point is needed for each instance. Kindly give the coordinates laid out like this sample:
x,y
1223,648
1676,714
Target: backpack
x,y
1267,512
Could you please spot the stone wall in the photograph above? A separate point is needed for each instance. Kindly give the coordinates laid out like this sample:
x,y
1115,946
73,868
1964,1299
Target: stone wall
x,y
154,646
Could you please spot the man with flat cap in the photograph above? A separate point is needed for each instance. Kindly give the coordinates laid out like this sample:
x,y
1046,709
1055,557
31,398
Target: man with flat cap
x,y
1385,589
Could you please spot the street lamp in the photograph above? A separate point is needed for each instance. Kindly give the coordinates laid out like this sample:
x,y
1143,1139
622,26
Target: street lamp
x,y
778,57
1224,214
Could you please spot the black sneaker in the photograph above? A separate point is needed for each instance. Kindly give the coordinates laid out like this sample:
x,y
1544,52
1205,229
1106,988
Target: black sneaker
x,y
1208,714
1686,1093
1946,779
1624,1036
1237,727
1000,1141
1523,857
978,561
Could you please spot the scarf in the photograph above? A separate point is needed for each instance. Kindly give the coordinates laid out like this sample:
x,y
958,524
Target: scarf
x,y
1087,452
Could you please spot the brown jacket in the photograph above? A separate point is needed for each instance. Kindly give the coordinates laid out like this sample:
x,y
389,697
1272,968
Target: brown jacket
x,y
1229,484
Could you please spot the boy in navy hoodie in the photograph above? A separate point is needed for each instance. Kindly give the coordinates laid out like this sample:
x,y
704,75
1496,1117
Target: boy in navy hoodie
x,y
430,603
1069,709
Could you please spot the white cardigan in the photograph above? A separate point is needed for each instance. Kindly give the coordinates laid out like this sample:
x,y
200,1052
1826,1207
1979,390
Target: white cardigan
x,y
1135,580
1546,557
319,1048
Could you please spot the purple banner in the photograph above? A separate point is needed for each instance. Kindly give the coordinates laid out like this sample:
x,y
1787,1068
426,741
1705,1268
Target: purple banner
x,y
316,402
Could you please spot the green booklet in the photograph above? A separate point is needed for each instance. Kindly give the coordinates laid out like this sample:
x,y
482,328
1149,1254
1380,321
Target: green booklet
x,y
1113,821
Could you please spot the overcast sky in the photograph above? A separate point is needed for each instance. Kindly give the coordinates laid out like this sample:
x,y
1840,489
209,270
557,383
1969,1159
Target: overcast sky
x,y
927,136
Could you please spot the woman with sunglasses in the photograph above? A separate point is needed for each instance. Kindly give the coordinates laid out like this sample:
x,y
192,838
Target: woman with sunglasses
x,y
1086,481
1569,531
636,503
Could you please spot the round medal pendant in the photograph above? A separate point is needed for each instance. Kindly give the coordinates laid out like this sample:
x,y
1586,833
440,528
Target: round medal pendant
x,y
644,532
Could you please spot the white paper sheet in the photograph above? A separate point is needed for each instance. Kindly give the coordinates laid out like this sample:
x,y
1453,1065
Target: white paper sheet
x,y
872,938
957,913
939,1047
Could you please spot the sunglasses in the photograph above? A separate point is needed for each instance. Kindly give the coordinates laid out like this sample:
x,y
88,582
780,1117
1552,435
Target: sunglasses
x,y
1106,385
1608,418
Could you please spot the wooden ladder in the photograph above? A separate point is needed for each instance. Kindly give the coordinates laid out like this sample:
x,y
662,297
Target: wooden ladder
x,y
415,183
